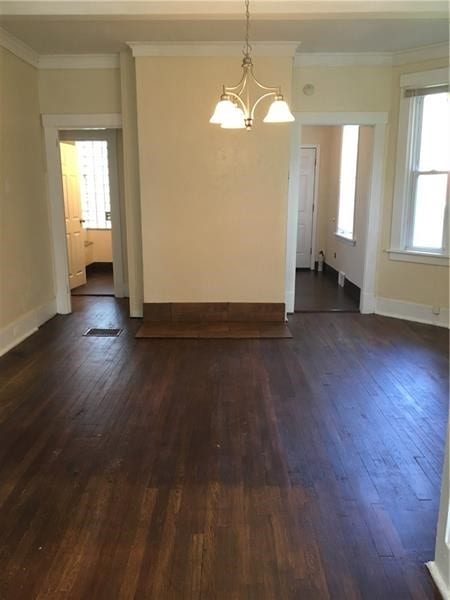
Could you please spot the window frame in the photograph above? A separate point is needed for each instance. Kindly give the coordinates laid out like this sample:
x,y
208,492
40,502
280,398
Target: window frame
x,y
407,173
350,239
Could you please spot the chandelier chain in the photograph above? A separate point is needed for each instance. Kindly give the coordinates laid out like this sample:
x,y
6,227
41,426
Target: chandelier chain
x,y
247,48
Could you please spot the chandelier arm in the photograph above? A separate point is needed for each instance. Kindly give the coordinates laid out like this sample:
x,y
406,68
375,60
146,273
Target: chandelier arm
x,y
276,89
240,86
245,108
252,113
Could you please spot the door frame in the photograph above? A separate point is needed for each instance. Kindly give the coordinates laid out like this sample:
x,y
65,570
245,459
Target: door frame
x,y
109,136
315,147
379,121
52,125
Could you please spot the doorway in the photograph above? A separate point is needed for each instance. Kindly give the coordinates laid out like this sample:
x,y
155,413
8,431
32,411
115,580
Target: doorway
x,y
88,176
332,217
342,243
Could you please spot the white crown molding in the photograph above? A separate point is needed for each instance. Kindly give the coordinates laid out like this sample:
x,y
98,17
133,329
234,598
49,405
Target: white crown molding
x,y
419,54
211,48
79,61
342,59
370,59
18,48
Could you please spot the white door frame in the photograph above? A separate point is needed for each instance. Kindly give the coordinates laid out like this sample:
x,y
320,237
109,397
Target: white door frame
x,y
109,136
378,120
315,147
52,124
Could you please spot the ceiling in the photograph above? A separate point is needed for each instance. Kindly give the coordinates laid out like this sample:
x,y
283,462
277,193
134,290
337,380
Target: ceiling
x,y
381,27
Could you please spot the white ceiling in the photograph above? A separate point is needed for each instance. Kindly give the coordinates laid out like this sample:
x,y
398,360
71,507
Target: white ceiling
x,y
361,26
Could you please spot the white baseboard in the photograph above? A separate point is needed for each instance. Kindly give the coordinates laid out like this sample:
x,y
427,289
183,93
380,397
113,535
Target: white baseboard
x,y
421,313
24,326
438,579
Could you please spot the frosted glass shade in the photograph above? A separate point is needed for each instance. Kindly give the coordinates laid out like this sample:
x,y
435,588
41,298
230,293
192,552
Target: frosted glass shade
x,y
234,119
223,110
279,112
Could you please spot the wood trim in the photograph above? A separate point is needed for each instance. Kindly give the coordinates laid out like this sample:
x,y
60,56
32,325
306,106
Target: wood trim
x,y
224,312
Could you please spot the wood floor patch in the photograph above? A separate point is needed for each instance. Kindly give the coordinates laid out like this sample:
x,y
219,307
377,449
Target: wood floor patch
x,y
214,330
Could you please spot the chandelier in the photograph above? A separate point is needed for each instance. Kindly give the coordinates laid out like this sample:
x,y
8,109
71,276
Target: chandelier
x,y
235,110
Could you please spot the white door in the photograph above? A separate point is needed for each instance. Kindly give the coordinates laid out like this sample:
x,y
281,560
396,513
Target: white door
x,y
72,213
305,207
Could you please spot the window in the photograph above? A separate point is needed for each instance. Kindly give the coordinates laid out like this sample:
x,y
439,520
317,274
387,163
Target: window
x,y
94,184
347,181
423,162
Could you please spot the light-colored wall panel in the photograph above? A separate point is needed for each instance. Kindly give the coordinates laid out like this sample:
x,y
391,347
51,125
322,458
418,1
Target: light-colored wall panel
x,y
26,279
343,89
213,201
79,91
100,250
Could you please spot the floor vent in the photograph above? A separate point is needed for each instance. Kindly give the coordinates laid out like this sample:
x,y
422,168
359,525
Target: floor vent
x,y
95,332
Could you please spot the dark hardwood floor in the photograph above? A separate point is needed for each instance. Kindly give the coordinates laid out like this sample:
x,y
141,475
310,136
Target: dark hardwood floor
x,y
100,281
320,292
221,469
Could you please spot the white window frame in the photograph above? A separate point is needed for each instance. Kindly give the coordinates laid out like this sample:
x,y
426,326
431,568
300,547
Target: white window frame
x,y
403,192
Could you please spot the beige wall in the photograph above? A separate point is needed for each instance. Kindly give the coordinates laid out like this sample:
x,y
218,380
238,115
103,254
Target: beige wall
x,y
343,89
374,89
213,202
79,91
100,246
411,282
26,280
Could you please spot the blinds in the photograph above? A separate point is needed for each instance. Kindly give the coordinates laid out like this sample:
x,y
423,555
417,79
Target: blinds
x,y
427,91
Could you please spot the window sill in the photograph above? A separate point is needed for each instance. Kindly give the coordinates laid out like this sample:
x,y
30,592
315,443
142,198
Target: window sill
x,y
425,258
345,239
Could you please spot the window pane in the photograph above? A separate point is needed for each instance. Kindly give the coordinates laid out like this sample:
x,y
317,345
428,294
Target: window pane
x,y
429,213
435,134
94,184
347,183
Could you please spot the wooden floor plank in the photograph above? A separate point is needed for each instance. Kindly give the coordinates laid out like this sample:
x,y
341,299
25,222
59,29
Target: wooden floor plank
x,y
221,469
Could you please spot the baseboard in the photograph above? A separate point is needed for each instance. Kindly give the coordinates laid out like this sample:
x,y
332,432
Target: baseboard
x,y
438,579
24,326
420,313
225,312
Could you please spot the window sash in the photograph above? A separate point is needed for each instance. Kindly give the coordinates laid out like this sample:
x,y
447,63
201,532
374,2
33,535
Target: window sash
x,y
414,172
412,212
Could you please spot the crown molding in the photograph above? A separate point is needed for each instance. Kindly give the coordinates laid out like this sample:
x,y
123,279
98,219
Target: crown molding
x,y
370,59
18,48
140,49
342,59
78,61
419,54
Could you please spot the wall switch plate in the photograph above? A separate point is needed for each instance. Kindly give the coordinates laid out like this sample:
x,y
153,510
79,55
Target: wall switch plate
x,y
436,309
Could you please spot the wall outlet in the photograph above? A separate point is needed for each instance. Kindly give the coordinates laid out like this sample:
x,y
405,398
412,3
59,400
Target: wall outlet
x,y
341,278
436,309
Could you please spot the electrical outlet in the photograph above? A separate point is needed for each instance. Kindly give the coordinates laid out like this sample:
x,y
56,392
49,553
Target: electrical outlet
x,y
436,309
